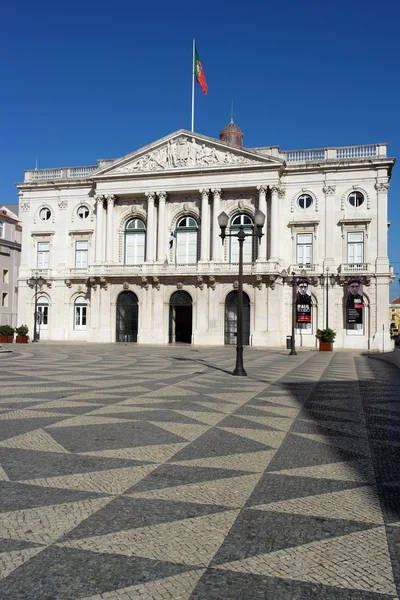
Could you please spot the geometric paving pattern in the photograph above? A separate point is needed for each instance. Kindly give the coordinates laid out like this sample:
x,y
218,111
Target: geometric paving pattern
x,y
130,472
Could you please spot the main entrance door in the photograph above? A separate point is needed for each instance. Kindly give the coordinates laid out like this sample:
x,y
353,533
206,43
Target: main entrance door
x,y
180,318
231,306
127,317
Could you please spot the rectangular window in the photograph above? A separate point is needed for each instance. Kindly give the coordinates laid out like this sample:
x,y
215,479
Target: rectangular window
x,y
43,316
247,250
134,248
355,248
43,249
4,299
81,255
304,249
186,247
5,275
80,316
1,229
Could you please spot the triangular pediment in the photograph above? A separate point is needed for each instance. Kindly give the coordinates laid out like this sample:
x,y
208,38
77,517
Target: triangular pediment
x,y
184,150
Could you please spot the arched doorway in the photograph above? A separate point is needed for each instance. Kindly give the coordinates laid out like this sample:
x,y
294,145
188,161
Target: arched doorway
x,y
231,306
127,317
180,318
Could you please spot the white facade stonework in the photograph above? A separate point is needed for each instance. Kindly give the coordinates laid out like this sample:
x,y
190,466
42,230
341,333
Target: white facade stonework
x,y
96,232
10,254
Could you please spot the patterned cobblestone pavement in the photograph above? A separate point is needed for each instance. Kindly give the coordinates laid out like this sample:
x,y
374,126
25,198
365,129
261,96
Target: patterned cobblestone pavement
x,y
144,473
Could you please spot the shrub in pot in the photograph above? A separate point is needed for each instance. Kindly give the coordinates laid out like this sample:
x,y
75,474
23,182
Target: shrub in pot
x,y
22,334
6,334
326,337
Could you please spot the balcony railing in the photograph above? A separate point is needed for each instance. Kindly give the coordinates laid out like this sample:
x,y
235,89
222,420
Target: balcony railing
x,y
354,268
341,153
291,156
307,267
162,269
62,173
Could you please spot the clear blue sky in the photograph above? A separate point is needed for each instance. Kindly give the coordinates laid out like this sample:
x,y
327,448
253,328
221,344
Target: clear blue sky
x,y
87,80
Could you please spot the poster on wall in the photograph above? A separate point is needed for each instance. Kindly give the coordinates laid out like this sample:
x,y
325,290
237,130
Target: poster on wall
x,y
355,301
303,301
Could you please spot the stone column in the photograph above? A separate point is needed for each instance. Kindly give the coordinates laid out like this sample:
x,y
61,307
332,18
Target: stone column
x,y
329,250
262,205
99,229
151,227
382,261
205,227
110,228
274,231
216,240
162,227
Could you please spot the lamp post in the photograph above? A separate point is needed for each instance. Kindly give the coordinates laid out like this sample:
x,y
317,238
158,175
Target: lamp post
x,y
35,282
284,275
259,220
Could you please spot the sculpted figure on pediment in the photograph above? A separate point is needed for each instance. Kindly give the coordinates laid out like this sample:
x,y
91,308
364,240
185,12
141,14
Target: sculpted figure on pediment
x,y
180,153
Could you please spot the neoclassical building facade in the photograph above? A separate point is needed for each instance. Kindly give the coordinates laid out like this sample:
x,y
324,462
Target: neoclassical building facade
x,y
130,249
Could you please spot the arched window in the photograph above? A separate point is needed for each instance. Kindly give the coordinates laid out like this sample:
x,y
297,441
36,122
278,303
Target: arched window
x,y
80,313
248,244
42,312
135,242
186,241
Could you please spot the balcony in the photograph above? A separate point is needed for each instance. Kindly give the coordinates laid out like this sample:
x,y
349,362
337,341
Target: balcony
x,y
309,268
172,270
354,268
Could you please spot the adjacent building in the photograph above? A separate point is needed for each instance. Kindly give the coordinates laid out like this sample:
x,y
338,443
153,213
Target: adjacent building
x,y
394,315
130,249
10,254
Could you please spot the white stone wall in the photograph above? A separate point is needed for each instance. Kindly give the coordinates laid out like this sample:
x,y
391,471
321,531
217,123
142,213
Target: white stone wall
x,y
114,198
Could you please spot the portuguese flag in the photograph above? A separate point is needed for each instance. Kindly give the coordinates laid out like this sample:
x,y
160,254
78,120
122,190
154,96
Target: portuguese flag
x,y
199,73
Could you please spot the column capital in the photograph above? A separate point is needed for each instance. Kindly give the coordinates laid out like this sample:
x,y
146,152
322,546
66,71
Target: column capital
x,y
99,199
162,195
262,188
217,192
382,187
150,196
278,190
111,199
204,192
329,190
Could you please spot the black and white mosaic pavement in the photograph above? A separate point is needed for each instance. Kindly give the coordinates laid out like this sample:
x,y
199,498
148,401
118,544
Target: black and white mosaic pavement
x,y
131,472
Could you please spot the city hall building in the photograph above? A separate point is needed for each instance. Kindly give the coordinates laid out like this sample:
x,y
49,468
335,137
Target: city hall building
x,y
129,250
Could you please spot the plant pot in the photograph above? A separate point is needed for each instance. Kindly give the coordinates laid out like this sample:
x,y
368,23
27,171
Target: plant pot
x,y
6,339
22,339
325,346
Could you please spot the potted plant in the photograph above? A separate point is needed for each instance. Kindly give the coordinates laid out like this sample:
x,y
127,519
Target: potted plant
x,y
326,337
6,334
22,334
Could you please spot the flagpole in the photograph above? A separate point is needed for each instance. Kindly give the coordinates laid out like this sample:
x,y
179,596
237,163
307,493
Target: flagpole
x,y
194,43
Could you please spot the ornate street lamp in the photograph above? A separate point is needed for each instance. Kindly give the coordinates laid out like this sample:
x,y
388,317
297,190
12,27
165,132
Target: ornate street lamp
x,y
284,275
35,282
259,220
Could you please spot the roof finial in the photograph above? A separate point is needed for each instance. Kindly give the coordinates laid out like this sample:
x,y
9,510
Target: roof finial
x,y
232,107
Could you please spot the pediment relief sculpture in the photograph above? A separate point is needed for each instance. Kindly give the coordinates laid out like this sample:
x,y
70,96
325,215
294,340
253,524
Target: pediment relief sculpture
x,y
183,152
